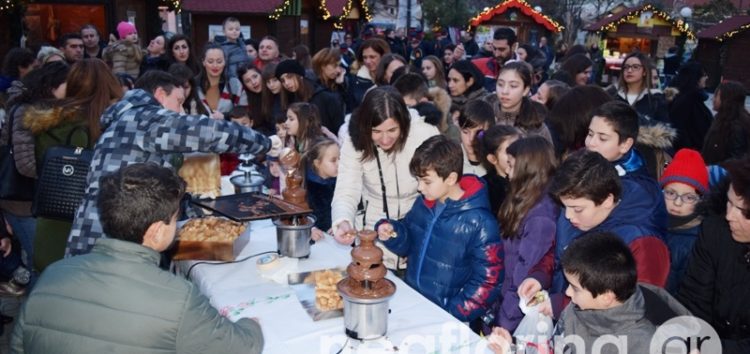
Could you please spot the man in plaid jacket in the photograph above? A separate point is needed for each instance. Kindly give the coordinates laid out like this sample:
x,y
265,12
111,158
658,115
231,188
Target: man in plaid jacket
x,y
146,126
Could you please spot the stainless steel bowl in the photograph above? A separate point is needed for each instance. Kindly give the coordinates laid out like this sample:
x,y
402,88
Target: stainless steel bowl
x,y
294,240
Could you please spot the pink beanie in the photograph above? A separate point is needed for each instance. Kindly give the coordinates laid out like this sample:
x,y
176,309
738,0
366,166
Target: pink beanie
x,y
125,28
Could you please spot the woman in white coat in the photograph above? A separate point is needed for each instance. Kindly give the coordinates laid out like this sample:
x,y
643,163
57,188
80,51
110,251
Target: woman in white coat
x,y
375,154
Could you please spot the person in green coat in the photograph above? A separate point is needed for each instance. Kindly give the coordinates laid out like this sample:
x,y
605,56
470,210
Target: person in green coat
x,y
116,299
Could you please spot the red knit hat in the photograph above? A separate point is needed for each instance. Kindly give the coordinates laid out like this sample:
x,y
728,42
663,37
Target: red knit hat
x,y
687,167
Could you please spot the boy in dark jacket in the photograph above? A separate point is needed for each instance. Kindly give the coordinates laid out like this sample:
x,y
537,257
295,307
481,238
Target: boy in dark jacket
x,y
594,198
451,238
233,45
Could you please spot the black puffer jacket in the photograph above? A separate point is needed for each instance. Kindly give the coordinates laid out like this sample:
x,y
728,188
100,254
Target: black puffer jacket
x,y
651,104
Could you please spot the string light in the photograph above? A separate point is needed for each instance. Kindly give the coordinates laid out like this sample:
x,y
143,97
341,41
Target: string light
x,y
7,5
339,24
324,10
522,5
277,12
679,24
729,34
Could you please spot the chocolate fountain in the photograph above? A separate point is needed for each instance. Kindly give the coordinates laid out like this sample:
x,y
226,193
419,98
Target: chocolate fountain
x,y
366,291
293,233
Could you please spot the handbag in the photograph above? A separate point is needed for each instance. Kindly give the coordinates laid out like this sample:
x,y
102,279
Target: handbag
x,y
62,181
13,185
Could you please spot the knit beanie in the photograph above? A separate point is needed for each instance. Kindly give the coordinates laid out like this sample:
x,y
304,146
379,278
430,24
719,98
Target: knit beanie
x,y
125,28
687,167
289,66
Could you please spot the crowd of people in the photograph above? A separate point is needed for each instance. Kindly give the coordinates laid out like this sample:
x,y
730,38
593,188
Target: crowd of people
x,y
490,173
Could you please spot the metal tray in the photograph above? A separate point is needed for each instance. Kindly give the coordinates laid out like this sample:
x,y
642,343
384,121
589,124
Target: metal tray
x,y
304,286
250,206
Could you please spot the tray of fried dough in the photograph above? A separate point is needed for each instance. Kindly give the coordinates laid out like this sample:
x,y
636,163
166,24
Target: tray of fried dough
x,y
209,238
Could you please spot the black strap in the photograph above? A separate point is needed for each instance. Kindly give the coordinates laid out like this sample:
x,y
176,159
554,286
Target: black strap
x,y
382,184
10,126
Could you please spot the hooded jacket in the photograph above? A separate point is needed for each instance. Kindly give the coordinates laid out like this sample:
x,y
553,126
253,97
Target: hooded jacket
x,y
138,129
124,57
331,106
637,318
117,300
692,119
654,144
360,84
454,249
638,219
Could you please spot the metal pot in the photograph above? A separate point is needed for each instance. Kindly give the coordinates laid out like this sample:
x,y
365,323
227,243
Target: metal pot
x,y
294,240
365,318
247,182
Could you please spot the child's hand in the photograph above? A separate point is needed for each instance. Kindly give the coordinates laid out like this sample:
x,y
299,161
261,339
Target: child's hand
x,y
317,234
6,246
500,340
528,288
385,231
345,235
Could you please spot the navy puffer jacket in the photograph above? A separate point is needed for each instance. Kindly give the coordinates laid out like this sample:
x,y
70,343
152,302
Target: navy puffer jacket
x,y
454,249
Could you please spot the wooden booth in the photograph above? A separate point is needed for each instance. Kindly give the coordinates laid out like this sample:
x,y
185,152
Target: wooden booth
x,y
528,23
311,22
723,49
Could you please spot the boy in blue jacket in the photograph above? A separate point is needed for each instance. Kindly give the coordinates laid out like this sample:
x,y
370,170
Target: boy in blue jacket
x,y
450,236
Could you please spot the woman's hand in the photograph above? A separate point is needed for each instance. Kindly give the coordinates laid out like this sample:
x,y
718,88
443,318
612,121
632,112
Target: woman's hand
x,y
344,234
317,234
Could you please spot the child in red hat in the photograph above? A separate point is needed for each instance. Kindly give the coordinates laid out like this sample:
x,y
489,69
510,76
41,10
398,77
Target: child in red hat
x,y
684,183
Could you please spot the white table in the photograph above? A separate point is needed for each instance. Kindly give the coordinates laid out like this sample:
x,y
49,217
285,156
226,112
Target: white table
x,y
415,325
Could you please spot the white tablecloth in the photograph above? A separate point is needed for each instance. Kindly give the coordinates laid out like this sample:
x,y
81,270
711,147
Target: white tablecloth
x,y
415,325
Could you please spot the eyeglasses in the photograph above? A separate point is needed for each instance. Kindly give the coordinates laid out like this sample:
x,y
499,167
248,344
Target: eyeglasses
x,y
634,67
687,198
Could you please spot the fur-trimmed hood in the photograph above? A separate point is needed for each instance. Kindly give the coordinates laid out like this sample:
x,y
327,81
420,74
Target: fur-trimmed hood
x,y
657,135
41,118
441,99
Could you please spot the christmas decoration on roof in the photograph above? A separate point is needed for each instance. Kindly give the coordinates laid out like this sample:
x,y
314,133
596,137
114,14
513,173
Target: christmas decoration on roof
x,y
727,28
616,20
521,5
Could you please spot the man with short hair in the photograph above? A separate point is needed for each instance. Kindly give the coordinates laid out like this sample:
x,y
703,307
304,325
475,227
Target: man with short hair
x,y
503,47
71,44
116,299
93,47
146,126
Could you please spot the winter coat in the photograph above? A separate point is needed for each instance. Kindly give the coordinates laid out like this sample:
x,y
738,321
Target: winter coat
x,y
117,300
680,241
479,94
23,155
503,118
715,285
51,126
650,104
720,146
454,250
138,129
234,52
361,83
692,119
636,319
654,146
536,238
497,187
154,63
319,198
230,96
331,107
639,219
360,180
124,58
490,69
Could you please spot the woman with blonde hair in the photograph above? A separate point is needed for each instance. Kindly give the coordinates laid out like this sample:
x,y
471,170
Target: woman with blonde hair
x,y
433,70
